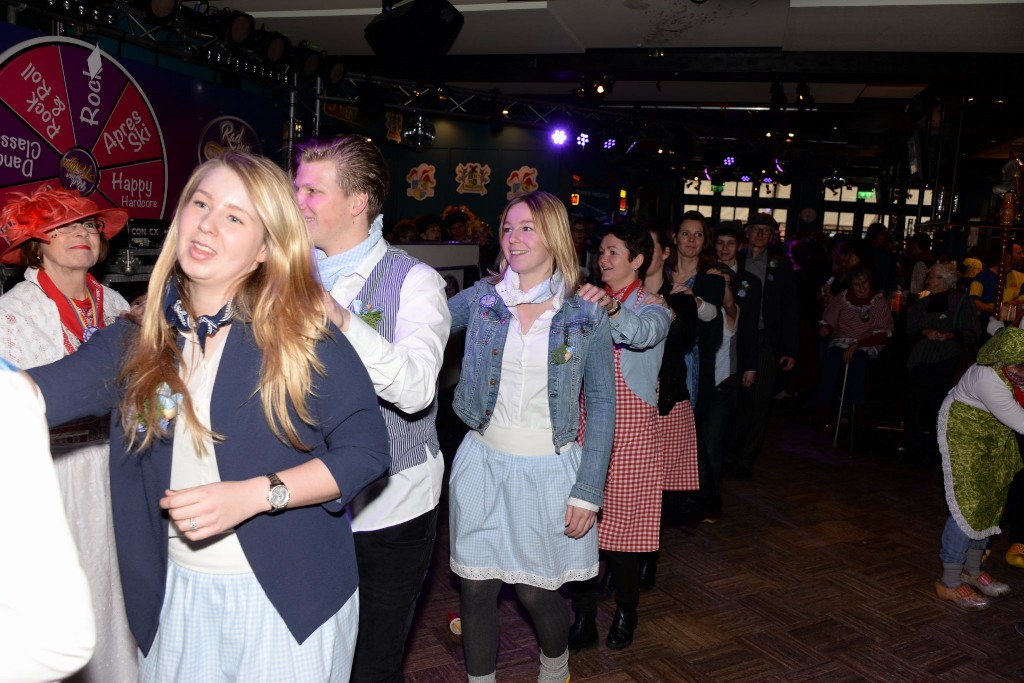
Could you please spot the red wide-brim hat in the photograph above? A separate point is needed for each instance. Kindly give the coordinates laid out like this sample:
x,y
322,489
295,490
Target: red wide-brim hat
x,y
33,216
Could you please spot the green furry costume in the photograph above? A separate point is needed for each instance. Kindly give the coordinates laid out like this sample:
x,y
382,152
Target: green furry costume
x,y
979,453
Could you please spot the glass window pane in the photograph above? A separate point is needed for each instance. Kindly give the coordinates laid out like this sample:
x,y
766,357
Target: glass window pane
x,y
742,213
831,196
730,189
846,220
782,191
727,213
831,220
705,188
691,187
706,210
744,189
849,194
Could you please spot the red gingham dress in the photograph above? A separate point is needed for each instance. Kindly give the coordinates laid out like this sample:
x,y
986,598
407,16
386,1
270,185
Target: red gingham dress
x,y
631,517
677,433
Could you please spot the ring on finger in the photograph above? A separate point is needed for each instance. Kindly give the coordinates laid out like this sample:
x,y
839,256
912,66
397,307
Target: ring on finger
x,y
192,526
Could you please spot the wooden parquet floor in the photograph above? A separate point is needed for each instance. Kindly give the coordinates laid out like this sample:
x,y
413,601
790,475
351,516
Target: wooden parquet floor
x,y
821,569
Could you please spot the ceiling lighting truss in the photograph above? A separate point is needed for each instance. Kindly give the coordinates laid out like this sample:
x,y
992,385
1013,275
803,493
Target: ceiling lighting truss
x,y
222,39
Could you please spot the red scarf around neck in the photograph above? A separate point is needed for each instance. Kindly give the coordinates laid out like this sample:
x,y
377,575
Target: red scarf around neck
x,y
70,317
623,293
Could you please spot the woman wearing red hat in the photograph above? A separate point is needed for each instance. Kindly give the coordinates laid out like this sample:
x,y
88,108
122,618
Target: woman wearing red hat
x,y
59,235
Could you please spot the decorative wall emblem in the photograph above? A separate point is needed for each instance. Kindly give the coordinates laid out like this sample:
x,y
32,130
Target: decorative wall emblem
x,y
472,178
421,181
521,181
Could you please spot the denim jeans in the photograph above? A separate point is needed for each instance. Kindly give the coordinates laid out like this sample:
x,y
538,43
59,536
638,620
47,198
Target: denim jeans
x,y
955,543
393,563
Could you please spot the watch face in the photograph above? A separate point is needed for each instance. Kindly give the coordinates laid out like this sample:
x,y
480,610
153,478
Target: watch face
x,y
279,496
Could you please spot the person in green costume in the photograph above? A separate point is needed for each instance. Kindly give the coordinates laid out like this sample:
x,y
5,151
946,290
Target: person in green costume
x,y
979,459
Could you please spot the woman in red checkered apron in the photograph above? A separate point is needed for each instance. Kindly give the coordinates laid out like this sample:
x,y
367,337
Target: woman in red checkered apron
x,y
631,517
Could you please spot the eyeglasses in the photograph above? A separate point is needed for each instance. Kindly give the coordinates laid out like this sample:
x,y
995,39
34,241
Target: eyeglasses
x,y
91,226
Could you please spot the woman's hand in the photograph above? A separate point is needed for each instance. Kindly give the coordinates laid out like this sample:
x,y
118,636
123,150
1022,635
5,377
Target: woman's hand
x,y
849,351
214,508
716,271
578,521
678,287
336,313
596,295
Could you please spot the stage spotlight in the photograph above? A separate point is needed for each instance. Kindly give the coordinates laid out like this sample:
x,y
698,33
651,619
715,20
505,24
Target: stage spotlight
x,y
559,136
728,161
161,11
744,178
582,139
232,26
609,143
270,46
332,70
305,61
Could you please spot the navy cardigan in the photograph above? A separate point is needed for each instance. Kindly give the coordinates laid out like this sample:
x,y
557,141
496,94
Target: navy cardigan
x,y
304,558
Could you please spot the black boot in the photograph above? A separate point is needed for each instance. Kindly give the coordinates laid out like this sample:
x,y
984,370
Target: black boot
x,y
620,635
648,570
583,632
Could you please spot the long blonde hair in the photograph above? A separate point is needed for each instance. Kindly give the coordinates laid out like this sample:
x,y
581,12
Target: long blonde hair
x,y
551,221
281,299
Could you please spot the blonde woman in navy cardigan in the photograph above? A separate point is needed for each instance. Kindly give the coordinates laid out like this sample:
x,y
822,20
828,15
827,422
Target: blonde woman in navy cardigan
x,y
242,424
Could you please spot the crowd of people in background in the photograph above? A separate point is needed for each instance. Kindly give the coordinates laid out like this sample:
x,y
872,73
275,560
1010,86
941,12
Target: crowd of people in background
x,y
274,442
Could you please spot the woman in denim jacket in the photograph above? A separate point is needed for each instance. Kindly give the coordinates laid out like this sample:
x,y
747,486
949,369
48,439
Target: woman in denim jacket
x,y
524,494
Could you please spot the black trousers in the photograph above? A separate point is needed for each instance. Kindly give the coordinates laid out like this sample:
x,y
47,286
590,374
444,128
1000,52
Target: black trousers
x,y
393,564
755,403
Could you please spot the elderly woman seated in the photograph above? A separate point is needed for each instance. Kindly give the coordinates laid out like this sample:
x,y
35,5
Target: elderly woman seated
x,y
858,322
942,327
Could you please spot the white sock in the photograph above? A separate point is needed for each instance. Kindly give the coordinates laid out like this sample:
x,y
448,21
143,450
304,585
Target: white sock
x,y
554,670
489,678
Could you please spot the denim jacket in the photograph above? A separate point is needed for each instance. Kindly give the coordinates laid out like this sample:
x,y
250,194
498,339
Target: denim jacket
x,y
592,365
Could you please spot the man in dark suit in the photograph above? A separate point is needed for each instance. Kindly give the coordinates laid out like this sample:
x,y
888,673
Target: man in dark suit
x,y
777,335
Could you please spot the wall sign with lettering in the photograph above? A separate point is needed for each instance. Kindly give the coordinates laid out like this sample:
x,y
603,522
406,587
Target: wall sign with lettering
x,y
227,133
71,116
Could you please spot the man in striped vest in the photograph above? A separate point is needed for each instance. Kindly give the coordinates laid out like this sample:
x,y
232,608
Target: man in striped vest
x,y
394,312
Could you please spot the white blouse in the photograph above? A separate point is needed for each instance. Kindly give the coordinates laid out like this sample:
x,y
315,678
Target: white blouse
x,y
220,554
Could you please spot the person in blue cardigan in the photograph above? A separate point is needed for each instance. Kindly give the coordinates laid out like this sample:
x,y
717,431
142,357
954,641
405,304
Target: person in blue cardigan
x,y
242,424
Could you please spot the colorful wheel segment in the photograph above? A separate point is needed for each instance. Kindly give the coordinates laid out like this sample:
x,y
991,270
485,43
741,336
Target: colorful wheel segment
x,y
72,116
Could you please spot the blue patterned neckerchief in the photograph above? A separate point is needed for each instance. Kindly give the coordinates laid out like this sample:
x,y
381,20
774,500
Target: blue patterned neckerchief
x,y
509,291
333,267
206,326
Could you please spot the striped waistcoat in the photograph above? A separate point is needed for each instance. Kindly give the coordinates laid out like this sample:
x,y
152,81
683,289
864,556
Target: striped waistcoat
x,y
408,432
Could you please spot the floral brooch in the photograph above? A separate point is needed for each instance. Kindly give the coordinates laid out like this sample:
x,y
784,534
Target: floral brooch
x,y
563,352
368,313
169,404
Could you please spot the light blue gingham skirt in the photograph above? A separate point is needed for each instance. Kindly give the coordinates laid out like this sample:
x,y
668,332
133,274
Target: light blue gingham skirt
x,y
221,627
507,517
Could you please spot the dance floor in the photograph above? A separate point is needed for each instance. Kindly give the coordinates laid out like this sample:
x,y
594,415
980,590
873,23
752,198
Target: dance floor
x,y
821,569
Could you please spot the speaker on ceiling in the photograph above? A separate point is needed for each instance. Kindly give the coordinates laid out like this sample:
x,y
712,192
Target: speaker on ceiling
x,y
415,30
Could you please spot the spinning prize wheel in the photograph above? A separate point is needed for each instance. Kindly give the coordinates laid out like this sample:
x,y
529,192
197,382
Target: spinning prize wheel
x,y
71,116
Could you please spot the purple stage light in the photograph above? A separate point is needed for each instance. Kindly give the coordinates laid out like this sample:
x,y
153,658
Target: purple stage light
x,y
559,136
729,161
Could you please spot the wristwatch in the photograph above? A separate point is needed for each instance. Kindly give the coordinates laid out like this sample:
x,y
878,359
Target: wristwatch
x,y
618,305
279,494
